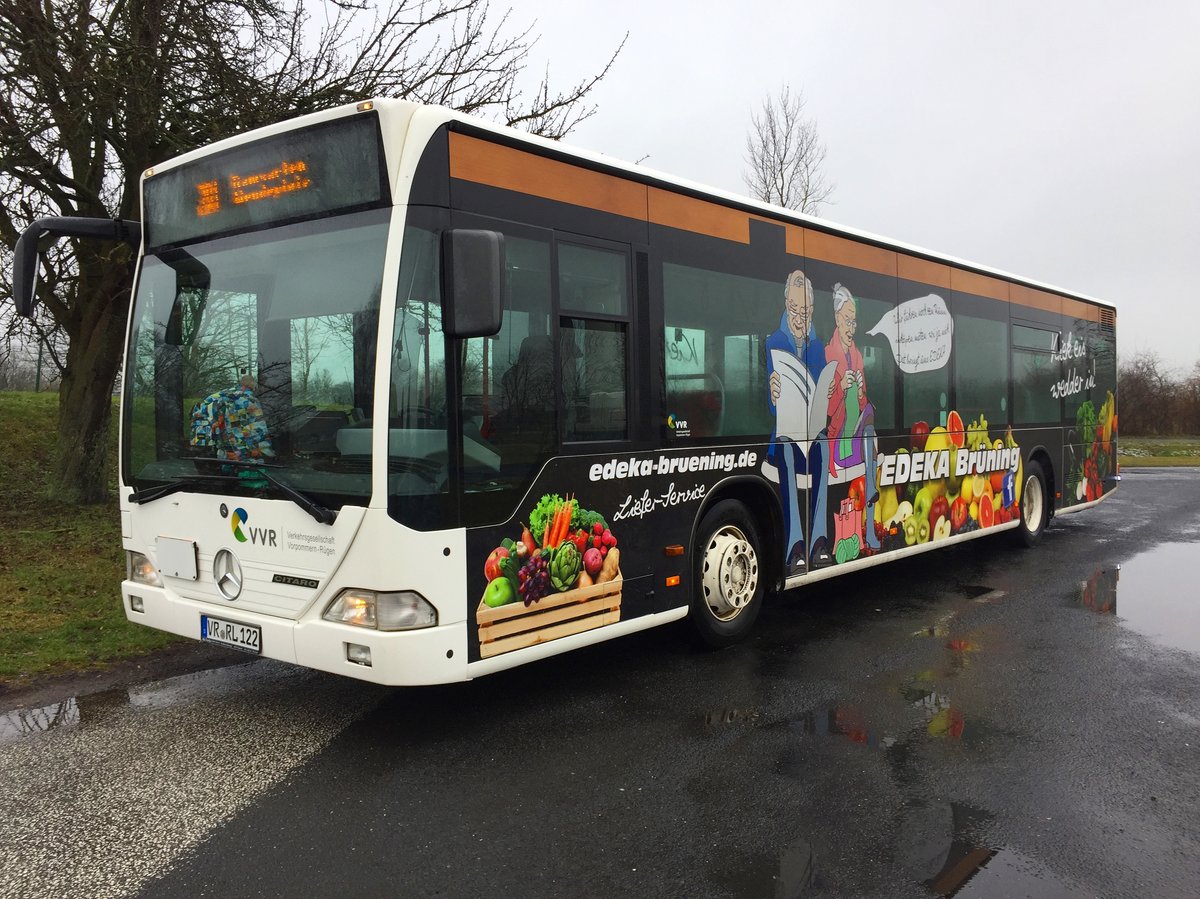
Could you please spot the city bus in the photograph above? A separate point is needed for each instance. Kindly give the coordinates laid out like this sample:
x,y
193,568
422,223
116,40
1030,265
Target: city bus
x,y
411,397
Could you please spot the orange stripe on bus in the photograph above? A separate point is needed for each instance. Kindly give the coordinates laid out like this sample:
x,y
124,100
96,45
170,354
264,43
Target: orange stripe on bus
x,y
841,251
482,162
700,216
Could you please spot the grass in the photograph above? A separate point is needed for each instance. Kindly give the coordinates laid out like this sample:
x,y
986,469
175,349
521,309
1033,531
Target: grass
x,y
1158,451
60,565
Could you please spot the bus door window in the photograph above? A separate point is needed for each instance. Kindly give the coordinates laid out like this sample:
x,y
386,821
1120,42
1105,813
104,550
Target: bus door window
x,y
593,282
508,385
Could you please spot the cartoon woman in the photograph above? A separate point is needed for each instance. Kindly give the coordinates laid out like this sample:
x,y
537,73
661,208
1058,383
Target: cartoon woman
x,y
851,415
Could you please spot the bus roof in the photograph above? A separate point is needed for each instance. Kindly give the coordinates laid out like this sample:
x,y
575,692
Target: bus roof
x,y
432,116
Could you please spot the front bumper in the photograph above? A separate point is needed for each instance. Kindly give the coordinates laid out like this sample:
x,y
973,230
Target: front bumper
x,y
434,655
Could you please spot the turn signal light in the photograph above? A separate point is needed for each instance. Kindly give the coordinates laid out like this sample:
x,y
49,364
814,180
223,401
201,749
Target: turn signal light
x,y
673,581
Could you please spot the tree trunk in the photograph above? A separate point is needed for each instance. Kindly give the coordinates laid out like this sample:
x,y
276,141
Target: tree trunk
x,y
93,359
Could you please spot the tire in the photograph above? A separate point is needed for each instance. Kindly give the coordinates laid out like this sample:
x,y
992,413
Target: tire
x,y
1035,506
727,587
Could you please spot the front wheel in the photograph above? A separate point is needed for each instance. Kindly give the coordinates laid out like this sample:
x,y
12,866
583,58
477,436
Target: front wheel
x,y
727,589
1035,508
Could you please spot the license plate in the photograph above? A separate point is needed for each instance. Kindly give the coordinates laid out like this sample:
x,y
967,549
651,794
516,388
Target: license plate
x,y
246,637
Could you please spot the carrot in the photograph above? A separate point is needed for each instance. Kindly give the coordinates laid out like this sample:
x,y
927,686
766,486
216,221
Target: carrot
x,y
556,531
546,536
568,510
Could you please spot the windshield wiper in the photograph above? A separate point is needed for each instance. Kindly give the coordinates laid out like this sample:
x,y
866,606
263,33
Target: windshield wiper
x,y
180,483
307,503
246,473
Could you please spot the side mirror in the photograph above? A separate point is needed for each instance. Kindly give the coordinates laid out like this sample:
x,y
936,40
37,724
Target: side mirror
x,y
25,257
473,279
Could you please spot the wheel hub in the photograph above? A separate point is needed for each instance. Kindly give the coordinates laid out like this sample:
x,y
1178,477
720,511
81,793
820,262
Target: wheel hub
x,y
1033,504
730,576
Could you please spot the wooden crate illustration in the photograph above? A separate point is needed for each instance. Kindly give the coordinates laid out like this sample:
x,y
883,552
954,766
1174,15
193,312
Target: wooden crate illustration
x,y
517,626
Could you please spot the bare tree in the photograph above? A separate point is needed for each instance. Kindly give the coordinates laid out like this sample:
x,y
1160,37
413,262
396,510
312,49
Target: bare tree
x,y
93,92
784,156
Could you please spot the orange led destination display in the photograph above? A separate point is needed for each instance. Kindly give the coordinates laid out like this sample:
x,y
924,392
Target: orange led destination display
x,y
286,177
321,170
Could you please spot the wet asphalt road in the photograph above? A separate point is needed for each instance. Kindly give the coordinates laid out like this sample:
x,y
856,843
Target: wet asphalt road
x,y
1007,723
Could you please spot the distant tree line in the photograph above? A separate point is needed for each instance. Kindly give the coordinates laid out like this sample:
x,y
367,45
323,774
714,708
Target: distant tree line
x,y
1154,401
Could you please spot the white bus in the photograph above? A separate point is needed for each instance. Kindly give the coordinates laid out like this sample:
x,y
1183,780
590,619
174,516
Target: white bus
x,y
412,398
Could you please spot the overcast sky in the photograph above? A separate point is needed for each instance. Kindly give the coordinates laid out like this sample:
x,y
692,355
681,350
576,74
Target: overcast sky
x,y
1059,141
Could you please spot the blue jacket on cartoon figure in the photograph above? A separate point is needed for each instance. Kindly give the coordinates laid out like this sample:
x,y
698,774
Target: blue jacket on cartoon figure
x,y
793,459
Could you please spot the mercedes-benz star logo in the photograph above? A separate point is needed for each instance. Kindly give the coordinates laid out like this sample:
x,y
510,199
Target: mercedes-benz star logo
x,y
228,575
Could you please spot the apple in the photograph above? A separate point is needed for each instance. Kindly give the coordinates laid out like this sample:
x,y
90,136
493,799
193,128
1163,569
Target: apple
x,y
920,433
922,502
959,510
498,593
941,530
491,568
940,508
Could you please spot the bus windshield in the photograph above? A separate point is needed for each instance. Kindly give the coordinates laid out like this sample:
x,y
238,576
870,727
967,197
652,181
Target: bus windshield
x,y
258,349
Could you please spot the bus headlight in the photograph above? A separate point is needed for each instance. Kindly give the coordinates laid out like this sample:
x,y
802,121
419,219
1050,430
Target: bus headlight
x,y
141,570
400,611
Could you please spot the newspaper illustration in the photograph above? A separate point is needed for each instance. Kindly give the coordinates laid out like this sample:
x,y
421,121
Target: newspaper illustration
x,y
801,409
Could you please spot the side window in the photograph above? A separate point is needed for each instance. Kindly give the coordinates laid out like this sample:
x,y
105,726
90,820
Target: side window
x,y
980,367
1035,374
593,289
716,327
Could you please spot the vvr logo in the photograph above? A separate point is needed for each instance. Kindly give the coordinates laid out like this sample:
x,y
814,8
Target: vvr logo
x,y
259,536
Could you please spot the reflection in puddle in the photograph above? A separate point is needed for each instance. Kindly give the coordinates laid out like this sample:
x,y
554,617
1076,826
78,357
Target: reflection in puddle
x,y
942,847
1099,593
88,709
92,708
1156,600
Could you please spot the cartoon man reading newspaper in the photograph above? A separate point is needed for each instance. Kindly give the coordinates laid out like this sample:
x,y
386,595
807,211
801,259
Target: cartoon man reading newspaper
x,y
795,360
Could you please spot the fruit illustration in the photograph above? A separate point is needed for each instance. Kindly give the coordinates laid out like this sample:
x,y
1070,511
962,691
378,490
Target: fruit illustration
x,y
939,509
918,436
956,429
986,514
911,530
924,531
977,434
938,440
491,568
857,488
941,530
498,593
923,502
960,511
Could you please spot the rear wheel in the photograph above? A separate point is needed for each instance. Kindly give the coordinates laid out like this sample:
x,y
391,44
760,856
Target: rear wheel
x,y
727,588
1035,508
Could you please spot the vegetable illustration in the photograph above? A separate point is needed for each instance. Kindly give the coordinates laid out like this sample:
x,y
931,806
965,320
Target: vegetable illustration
x,y
593,561
612,563
565,567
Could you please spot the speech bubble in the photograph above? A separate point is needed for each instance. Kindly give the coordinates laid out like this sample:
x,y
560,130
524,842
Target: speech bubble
x,y
920,332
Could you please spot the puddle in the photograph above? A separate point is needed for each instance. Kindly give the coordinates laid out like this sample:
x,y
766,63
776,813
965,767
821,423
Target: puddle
x,y
93,708
1156,597
1006,872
